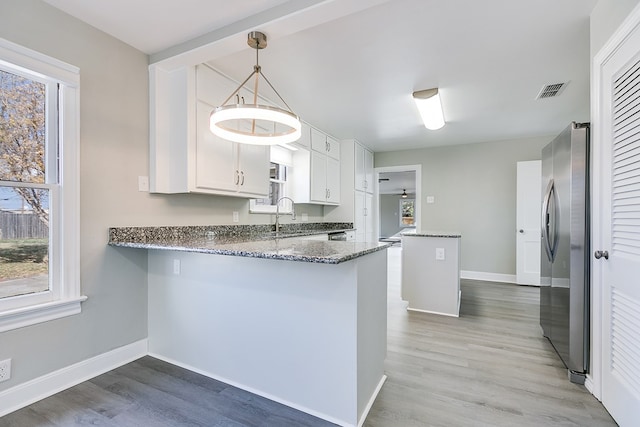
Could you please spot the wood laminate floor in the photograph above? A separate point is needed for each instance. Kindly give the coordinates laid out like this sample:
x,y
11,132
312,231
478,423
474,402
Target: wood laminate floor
x,y
490,367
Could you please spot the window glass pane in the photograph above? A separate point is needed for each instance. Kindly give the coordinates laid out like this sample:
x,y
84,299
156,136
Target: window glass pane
x,y
22,129
407,214
24,241
278,176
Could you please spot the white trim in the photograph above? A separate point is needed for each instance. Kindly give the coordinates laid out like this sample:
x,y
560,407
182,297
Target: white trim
x,y
598,239
588,383
376,193
64,295
365,412
35,63
432,312
32,314
47,385
254,391
489,277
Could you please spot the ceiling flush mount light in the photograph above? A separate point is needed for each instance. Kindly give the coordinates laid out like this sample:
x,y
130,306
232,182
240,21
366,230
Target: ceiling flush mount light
x,y
404,194
430,107
255,123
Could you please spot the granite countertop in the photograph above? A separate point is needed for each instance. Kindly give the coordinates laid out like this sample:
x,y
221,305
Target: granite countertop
x,y
247,241
431,234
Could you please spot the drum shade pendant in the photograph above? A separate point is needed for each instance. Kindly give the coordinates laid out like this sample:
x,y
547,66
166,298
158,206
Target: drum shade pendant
x,y
255,123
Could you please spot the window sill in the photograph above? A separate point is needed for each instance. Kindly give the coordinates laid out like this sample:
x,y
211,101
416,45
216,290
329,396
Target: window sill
x,y
26,316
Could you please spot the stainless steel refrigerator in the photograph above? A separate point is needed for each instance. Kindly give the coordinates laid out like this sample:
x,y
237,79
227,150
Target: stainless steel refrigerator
x,y
564,267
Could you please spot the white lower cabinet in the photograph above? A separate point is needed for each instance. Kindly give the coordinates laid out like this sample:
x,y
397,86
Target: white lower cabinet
x,y
363,216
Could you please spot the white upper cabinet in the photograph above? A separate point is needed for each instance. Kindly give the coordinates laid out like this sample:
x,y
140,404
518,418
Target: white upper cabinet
x,y
323,143
363,169
316,172
185,155
333,181
356,191
305,138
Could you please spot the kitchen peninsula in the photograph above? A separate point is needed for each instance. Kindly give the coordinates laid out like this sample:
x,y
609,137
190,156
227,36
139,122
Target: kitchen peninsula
x,y
302,322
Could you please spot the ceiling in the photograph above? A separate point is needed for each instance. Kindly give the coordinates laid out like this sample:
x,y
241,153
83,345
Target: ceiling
x,y
397,182
350,69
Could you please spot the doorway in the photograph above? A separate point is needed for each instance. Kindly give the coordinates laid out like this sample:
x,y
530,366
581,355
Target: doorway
x,y
398,201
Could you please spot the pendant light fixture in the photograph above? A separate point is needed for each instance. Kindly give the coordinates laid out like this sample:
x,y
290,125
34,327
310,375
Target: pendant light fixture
x,y
255,123
404,194
430,107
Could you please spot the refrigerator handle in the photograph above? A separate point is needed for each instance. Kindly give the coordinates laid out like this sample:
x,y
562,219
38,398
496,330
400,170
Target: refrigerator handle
x,y
546,219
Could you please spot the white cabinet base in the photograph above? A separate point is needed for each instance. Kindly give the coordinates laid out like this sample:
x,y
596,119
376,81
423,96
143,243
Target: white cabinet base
x,y
431,284
311,336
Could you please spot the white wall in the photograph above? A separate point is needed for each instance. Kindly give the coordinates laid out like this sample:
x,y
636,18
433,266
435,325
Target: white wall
x,y
114,151
606,17
474,187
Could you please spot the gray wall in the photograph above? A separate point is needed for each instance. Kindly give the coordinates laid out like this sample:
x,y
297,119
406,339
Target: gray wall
x,y
114,151
389,215
474,187
606,17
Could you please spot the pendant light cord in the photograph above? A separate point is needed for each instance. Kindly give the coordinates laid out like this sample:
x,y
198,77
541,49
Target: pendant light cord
x,y
257,70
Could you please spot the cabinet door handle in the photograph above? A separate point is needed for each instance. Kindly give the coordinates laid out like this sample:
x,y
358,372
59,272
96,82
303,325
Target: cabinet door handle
x,y
242,175
237,177
327,146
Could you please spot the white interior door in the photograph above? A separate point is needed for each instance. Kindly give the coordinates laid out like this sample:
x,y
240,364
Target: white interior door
x,y
528,208
617,231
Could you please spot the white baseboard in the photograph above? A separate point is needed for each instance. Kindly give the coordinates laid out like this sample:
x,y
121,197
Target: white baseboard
x,y
364,414
434,312
47,385
255,391
490,277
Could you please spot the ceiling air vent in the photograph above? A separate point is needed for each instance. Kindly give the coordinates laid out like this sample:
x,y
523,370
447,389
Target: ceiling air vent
x,y
549,91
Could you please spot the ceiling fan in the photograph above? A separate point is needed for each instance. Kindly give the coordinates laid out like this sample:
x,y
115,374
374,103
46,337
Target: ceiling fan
x,y
404,194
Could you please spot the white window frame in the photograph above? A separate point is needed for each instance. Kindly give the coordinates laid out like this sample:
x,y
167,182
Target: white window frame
x,y
280,156
63,297
400,202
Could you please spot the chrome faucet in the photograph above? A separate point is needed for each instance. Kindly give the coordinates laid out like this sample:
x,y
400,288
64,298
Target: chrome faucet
x,y
293,212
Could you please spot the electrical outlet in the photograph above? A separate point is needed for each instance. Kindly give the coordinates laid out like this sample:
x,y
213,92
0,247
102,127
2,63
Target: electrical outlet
x,y
305,217
176,267
236,216
440,254
5,370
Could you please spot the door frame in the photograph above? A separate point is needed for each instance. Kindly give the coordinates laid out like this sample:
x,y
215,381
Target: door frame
x,y
600,156
376,193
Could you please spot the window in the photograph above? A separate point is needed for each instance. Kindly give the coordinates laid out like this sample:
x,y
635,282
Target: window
x,y
279,186
407,213
277,190
39,257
